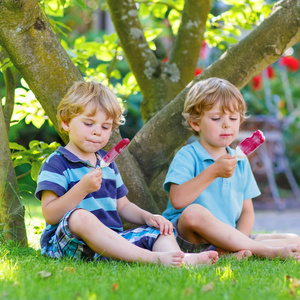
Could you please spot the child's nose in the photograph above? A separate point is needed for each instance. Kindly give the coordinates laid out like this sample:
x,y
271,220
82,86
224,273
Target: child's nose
x,y
97,130
226,124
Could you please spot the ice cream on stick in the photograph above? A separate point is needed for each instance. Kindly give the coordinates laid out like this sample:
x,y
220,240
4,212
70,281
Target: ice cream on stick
x,y
250,144
113,153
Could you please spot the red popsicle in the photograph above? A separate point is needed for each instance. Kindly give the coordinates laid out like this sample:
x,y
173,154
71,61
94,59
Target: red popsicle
x,y
250,144
113,153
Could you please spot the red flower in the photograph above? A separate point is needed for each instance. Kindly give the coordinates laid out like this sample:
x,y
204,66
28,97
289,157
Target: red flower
x,y
198,71
203,50
270,72
165,59
257,82
290,62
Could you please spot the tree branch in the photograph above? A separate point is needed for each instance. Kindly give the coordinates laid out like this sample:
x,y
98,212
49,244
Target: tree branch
x,y
9,96
141,59
26,37
262,47
188,42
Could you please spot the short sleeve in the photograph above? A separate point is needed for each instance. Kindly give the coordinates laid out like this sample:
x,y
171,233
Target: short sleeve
x,y
181,169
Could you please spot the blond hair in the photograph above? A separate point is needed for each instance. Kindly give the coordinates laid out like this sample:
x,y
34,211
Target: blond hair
x,y
206,93
94,94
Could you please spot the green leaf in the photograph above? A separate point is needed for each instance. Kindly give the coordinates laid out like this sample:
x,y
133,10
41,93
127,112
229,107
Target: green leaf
x,y
35,169
116,74
16,146
174,19
105,56
78,42
112,38
144,10
81,3
34,143
159,10
152,34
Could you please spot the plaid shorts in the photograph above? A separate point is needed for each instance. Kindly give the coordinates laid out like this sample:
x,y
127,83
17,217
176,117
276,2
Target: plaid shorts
x,y
64,244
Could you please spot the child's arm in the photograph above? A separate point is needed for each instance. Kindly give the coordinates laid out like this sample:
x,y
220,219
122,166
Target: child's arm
x,y
185,193
246,221
134,214
55,207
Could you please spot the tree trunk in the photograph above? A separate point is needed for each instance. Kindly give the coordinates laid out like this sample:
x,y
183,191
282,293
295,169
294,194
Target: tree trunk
x,y
28,40
11,208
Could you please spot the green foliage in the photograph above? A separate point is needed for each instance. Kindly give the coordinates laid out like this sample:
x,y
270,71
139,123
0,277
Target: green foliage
x,y
102,58
224,29
4,61
35,155
27,107
56,7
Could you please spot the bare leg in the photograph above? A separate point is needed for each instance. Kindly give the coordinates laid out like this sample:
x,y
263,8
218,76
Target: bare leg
x,y
105,241
168,243
278,240
224,236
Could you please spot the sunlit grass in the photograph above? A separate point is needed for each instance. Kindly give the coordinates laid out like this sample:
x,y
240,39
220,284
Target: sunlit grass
x,y
26,274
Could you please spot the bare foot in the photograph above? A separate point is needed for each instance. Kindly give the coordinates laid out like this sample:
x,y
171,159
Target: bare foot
x,y
174,259
202,258
239,255
242,254
289,251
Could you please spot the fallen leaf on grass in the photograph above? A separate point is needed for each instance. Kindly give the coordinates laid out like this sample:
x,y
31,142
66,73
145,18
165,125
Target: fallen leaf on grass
x,y
295,281
188,291
44,274
208,287
115,287
69,269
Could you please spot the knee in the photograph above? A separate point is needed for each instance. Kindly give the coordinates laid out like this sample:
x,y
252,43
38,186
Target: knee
x,y
195,215
79,220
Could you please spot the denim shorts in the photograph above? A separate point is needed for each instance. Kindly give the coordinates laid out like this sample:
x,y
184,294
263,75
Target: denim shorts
x,y
188,247
64,244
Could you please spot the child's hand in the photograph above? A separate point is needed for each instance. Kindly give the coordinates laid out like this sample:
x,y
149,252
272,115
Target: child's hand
x,y
91,181
225,166
165,227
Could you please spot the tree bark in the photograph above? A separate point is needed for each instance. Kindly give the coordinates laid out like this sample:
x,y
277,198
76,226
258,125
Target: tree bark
x,y
160,82
164,133
28,40
11,209
30,43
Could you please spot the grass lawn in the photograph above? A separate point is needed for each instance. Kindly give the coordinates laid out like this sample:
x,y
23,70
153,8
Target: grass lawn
x,y
25,274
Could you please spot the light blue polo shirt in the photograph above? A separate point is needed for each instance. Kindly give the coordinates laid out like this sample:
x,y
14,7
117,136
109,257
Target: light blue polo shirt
x,y
224,196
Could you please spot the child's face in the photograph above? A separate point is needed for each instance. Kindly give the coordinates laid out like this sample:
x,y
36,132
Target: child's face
x,y
216,128
88,133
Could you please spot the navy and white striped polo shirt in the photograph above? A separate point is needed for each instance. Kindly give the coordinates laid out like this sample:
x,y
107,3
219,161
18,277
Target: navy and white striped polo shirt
x,y
62,170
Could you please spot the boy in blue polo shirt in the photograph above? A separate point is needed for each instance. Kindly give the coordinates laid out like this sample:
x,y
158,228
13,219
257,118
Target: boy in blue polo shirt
x,y
211,189
82,204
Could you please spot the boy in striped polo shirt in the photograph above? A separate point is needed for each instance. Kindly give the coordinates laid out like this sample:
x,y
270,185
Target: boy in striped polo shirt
x,y
82,204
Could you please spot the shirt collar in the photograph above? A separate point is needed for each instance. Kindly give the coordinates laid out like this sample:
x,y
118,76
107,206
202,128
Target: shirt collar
x,y
75,159
206,156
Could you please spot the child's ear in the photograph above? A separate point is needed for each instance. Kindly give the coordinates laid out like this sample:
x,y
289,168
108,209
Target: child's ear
x,y
195,126
65,126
